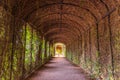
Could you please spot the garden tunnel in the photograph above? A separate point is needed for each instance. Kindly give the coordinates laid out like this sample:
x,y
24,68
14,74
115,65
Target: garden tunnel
x,y
90,29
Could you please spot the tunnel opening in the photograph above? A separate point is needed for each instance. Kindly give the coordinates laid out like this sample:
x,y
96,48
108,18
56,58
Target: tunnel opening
x,y
60,50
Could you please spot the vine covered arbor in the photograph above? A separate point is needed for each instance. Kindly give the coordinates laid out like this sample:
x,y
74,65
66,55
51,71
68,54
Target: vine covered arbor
x,y
90,29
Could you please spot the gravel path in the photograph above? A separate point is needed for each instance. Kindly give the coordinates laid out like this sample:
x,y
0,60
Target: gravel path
x,y
59,69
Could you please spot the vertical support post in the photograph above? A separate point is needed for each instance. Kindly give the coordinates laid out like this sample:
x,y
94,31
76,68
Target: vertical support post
x,y
81,44
112,56
98,45
49,50
85,50
13,47
54,49
45,59
90,48
31,51
78,49
23,55
40,53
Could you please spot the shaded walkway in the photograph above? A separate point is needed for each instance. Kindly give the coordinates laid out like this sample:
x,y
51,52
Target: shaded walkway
x,y
59,69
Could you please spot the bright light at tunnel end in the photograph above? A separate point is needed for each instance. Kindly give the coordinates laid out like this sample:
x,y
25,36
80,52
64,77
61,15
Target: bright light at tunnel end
x,y
60,50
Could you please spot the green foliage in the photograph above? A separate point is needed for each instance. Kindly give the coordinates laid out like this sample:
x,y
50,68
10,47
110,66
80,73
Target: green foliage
x,y
28,47
27,50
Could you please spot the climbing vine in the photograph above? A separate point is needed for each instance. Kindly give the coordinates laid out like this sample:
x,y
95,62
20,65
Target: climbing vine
x,y
22,49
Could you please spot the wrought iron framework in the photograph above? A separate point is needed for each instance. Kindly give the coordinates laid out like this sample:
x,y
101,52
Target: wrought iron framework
x,y
29,29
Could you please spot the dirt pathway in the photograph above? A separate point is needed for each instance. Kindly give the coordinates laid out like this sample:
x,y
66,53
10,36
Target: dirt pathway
x,y
59,69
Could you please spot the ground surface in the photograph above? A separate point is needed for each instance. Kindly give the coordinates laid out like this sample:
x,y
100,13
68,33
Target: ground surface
x,y
59,69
